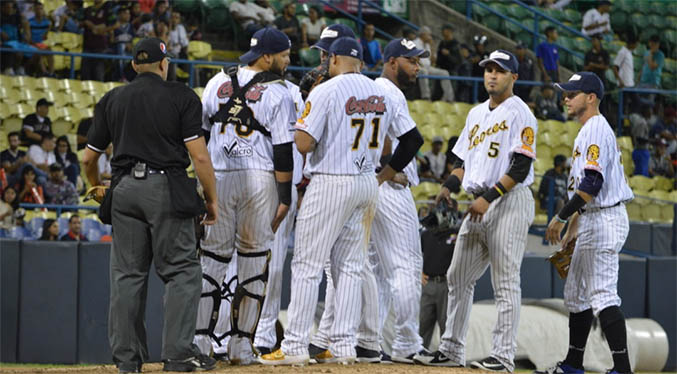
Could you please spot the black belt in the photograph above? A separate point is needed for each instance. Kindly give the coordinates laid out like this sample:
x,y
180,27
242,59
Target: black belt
x,y
150,171
581,211
437,278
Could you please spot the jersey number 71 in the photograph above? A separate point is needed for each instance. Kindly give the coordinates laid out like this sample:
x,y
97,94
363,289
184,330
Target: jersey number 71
x,y
359,123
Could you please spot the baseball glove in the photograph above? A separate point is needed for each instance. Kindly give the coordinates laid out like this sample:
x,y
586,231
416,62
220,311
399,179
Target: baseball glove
x,y
562,259
442,217
97,193
313,78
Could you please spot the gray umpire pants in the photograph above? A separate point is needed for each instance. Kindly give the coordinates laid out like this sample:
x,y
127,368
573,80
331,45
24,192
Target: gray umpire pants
x,y
144,229
433,308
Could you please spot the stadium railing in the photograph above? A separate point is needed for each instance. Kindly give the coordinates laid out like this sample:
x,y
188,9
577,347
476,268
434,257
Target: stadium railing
x,y
621,98
360,22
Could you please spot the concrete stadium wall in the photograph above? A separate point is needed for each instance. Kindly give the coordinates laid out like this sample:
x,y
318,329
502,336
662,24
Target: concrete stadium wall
x,y
55,299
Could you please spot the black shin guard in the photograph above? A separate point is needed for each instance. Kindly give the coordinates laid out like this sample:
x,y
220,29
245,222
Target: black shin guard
x,y
579,329
613,326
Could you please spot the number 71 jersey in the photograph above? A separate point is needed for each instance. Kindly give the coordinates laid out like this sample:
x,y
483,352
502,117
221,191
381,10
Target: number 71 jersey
x,y
489,139
349,117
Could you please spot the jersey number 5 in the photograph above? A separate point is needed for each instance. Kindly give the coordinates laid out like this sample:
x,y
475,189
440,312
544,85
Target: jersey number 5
x,y
493,149
359,123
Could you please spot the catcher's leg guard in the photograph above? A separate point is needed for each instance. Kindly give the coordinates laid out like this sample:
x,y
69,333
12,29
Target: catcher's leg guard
x,y
213,271
248,300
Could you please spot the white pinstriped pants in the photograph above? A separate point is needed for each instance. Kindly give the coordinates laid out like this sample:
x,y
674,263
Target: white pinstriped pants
x,y
333,223
593,275
499,240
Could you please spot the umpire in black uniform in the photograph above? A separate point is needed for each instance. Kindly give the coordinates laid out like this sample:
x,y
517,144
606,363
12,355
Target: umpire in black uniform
x,y
151,204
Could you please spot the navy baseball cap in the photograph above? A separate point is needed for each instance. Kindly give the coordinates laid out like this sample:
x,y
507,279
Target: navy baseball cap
x,y
506,60
346,46
331,33
155,48
266,41
403,48
584,81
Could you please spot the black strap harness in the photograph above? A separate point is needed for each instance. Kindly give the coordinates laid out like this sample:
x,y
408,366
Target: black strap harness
x,y
236,111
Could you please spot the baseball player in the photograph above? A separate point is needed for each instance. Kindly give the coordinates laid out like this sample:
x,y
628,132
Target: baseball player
x,y
344,123
495,150
249,113
598,222
265,333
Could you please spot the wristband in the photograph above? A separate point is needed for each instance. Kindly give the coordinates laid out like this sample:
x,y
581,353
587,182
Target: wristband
x,y
284,192
559,219
572,207
500,188
453,184
491,194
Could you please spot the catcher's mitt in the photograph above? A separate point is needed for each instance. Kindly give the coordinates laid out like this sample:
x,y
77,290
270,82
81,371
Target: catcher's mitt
x,y
442,217
562,259
313,78
97,193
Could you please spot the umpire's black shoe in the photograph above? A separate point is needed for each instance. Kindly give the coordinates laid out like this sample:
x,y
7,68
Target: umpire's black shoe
x,y
264,350
223,357
367,355
385,358
489,364
199,362
129,368
314,350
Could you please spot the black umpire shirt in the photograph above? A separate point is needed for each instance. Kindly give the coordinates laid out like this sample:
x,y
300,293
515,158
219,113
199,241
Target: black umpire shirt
x,y
438,248
148,120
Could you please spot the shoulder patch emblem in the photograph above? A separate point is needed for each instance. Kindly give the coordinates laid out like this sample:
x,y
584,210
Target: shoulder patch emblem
x,y
592,154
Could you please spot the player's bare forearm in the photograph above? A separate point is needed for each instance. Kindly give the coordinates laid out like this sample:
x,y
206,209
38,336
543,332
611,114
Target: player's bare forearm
x,y
387,146
203,167
91,162
283,176
387,173
507,182
459,173
304,142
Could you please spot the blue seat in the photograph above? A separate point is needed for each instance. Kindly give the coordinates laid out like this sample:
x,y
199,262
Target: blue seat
x,y
18,232
89,223
93,235
35,226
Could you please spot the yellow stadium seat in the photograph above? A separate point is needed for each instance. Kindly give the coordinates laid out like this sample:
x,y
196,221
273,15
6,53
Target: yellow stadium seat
x,y
541,219
663,183
549,139
47,84
80,100
667,212
651,213
446,133
660,195
71,41
461,108
455,122
30,96
12,124
198,50
432,119
640,183
9,95
199,91
634,211
62,127
568,139
110,85
87,113
420,106
93,87
70,85
541,165
425,147
543,152
673,196
5,80
4,111
23,82
564,150
428,132
21,110
625,143
442,107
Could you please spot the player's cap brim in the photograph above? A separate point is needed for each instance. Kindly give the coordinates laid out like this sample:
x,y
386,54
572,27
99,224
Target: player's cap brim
x,y
323,45
422,53
249,57
498,62
569,86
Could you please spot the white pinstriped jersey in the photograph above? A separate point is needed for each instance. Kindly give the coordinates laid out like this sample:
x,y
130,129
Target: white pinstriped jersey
x,y
401,114
489,139
295,92
238,147
595,148
349,117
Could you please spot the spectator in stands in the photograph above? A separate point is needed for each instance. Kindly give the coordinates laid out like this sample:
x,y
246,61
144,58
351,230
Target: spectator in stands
x,y
147,28
14,33
450,157
624,65
105,169
427,61
41,156
548,56
67,159
247,15
640,157
39,26
59,190
448,51
311,27
639,124
596,20
8,205
161,11
666,129
266,13
559,176
178,38
136,15
289,24
660,163
36,125
409,34
597,59
193,29
29,189
547,106
74,230
50,230
526,71
95,40
83,129
480,53
650,76
68,17
162,32
122,38
435,161
12,158
464,89
372,49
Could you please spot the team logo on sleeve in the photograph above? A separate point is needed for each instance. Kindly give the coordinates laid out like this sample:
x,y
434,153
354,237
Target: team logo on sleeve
x,y
592,155
306,111
576,154
528,138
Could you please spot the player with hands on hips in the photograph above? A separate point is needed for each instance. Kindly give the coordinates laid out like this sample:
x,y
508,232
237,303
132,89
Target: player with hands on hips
x,y
598,222
495,152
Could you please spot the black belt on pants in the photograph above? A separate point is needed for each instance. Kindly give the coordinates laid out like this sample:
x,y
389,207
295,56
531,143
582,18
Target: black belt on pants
x,y
437,278
150,171
581,211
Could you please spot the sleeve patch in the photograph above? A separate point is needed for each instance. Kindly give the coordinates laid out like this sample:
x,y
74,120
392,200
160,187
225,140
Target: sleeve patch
x,y
306,112
592,155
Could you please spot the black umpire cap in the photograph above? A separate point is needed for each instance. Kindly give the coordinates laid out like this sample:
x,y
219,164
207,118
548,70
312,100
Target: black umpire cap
x,y
155,48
